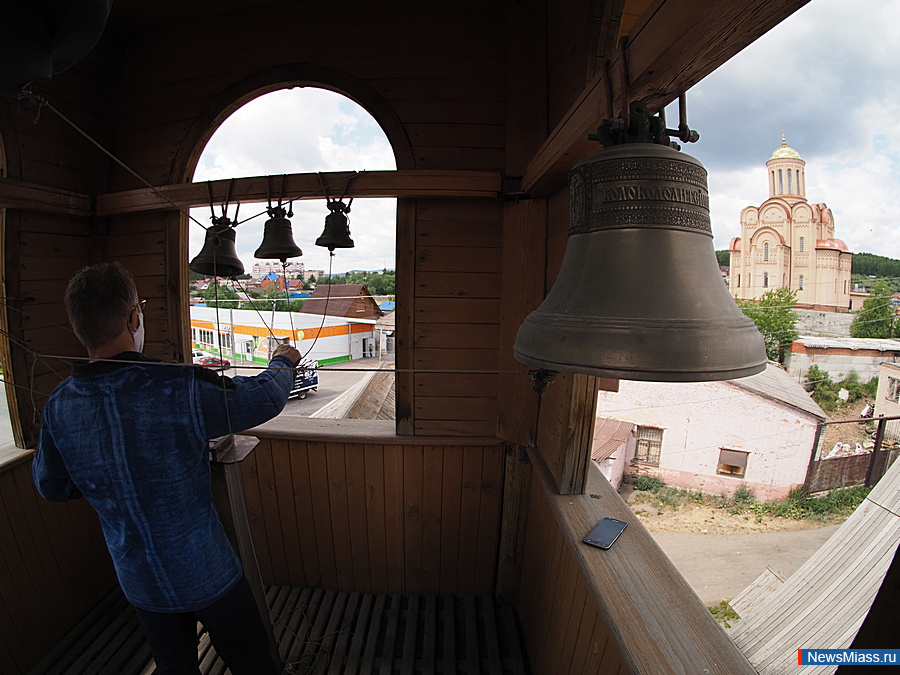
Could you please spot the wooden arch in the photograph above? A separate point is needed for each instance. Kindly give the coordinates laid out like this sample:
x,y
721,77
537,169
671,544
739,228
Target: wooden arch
x,y
284,77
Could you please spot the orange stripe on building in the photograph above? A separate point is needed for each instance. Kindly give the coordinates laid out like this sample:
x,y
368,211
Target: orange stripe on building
x,y
297,334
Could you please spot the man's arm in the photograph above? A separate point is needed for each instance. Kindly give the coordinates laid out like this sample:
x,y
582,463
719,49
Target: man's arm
x,y
250,401
50,474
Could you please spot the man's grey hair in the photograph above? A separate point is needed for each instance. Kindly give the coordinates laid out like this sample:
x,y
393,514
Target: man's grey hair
x,y
99,300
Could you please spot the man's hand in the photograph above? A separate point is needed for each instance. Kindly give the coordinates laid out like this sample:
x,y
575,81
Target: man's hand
x,y
288,351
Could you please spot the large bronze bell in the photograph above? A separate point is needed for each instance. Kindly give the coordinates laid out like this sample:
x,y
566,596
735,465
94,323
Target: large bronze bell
x,y
278,239
337,228
218,256
639,295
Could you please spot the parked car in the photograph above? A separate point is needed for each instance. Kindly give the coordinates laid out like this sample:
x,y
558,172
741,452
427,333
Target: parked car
x,y
215,362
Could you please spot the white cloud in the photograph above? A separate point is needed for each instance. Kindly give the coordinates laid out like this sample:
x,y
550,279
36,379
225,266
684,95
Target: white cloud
x,y
828,77
303,130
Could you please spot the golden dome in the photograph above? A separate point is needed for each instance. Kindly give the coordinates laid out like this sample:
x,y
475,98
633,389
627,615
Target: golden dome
x,y
785,152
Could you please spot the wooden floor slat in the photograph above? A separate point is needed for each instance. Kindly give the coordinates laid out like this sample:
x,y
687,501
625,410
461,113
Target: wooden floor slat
x,y
321,632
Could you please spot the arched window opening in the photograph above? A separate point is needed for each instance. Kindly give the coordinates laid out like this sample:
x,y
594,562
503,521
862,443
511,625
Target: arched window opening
x,y
801,282
773,182
802,244
780,182
9,405
765,279
293,131
739,281
766,251
790,184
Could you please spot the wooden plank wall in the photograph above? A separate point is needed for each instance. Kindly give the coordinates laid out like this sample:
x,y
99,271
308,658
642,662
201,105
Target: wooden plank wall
x,y
377,518
54,567
456,316
41,251
564,631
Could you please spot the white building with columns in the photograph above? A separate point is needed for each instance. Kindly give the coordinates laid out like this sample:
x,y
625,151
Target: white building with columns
x,y
786,241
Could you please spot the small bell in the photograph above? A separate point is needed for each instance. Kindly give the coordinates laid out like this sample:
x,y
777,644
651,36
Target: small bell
x,y
218,256
337,228
278,240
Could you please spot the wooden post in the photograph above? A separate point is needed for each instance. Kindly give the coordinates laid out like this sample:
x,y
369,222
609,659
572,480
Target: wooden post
x,y
514,523
876,463
228,491
811,467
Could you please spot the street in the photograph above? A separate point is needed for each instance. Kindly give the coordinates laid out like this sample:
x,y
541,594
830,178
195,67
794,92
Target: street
x,y
333,381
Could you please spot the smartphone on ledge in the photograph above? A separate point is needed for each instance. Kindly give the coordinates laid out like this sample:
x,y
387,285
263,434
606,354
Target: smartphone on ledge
x,y
605,533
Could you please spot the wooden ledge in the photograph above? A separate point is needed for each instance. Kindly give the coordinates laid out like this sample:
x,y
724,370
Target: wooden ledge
x,y
378,432
658,622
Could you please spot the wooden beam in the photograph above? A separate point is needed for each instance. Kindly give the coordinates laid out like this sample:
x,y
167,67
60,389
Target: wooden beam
x,y
17,194
407,183
674,46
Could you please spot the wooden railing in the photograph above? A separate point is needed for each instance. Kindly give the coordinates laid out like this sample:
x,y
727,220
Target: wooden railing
x,y
349,505
625,610
346,505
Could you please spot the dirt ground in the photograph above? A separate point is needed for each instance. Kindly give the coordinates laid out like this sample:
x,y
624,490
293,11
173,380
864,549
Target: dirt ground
x,y
720,553
702,519
849,433
710,520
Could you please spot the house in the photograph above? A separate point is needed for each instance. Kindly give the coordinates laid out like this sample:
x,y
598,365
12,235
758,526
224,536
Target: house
x,y
348,300
755,432
244,335
272,281
613,448
840,356
475,499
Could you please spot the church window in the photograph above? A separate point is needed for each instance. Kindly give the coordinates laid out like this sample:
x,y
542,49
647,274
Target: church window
x,y
739,281
766,251
773,182
780,182
801,282
790,184
802,244
765,280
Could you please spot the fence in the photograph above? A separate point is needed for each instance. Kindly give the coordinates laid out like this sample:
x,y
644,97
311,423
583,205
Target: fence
x,y
852,452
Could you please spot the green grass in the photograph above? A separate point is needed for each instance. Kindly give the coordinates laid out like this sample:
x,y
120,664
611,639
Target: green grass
x,y
836,503
724,613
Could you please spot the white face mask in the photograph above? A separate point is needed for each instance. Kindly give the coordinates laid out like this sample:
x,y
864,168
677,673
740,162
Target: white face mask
x,y
138,335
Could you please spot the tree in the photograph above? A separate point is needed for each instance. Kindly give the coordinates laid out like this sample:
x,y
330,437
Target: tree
x,y
774,316
876,318
225,295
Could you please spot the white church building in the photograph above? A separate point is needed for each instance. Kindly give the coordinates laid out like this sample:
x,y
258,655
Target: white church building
x,y
786,241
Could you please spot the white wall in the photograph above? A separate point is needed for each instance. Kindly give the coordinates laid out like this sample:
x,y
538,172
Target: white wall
x,y
613,468
701,418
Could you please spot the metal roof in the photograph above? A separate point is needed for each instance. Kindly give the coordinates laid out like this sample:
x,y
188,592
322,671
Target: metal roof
x,y
609,435
878,344
774,383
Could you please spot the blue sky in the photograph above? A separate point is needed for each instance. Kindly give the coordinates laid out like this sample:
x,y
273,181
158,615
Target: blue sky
x,y
827,76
